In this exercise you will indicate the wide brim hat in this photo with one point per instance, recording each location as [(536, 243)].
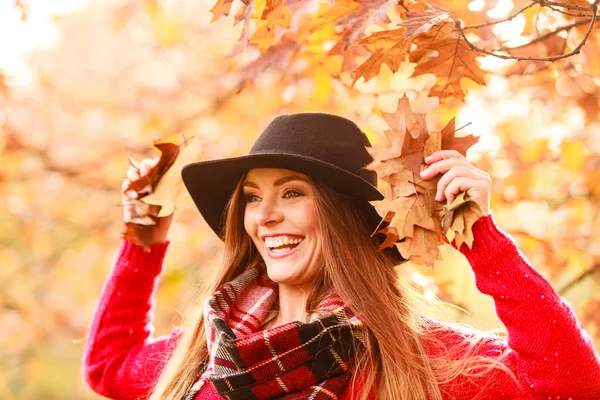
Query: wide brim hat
[(328, 148)]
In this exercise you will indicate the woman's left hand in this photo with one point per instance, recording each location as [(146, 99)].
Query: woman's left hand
[(458, 175)]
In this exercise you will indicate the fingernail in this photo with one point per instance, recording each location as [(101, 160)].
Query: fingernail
[(133, 194), (424, 172)]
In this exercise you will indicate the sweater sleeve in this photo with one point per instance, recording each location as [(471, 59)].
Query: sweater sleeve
[(121, 360), (549, 351)]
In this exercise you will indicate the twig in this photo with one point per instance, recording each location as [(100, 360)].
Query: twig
[(401, 4), (544, 3), (547, 35), (510, 17), (579, 15), (576, 50), (579, 278)]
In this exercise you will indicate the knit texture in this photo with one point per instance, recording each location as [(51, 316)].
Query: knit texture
[(550, 353)]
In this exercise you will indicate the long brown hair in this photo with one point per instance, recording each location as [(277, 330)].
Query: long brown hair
[(402, 357)]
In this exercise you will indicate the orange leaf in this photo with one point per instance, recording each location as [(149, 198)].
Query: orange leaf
[(455, 60), (221, 7), (390, 48), (451, 142)]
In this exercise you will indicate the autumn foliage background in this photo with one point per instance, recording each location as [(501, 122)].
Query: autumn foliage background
[(84, 82)]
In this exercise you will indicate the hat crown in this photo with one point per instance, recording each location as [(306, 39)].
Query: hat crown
[(321, 136)]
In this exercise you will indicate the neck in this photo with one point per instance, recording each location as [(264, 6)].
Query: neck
[(292, 304)]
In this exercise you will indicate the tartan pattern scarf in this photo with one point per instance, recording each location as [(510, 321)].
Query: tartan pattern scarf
[(297, 360)]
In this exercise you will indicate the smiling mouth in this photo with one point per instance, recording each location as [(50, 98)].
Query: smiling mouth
[(286, 248), (283, 250)]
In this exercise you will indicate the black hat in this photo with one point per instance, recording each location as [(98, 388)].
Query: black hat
[(328, 148)]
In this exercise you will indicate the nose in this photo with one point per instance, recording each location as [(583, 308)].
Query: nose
[(268, 213)]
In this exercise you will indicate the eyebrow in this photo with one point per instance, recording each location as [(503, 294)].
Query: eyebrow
[(278, 182)]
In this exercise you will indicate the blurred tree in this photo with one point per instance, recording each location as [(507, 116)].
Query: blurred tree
[(123, 72)]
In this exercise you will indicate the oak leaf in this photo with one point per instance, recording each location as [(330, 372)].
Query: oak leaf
[(220, 8), (452, 142), (412, 213), (460, 216), (159, 191), (391, 46), (454, 61), (419, 249)]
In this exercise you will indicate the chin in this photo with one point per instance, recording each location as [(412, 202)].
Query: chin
[(279, 277)]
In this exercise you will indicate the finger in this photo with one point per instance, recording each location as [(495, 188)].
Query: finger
[(454, 173), (443, 166), (147, 164), (443, 155), (130, 194), (133, 174), (460, 184)]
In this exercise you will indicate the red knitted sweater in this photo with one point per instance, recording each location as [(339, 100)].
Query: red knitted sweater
[(550, 353)]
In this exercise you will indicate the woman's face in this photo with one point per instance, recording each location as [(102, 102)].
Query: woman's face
[(281, 219)]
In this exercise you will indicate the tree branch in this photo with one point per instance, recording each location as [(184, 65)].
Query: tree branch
[(568, 13), (576, 50), (544, 3), (579, 278), (547, 35), (510, 17)]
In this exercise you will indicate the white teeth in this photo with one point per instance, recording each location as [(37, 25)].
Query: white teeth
[(281, 240), (281, 251)]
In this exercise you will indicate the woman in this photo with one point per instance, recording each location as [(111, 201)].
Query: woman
[(304, 307)]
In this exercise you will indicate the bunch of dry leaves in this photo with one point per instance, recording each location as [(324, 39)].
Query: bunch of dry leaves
[(160, 191), (412, 213)]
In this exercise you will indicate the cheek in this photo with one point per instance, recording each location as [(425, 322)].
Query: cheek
[(248, 225)]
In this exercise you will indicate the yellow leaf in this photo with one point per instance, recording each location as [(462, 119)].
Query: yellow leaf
[(168, 31), (572, 155)]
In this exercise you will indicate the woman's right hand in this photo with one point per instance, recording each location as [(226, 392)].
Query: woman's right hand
[(160, 230)]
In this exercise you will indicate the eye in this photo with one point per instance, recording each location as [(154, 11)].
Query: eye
[(251, 198), (292, 193)]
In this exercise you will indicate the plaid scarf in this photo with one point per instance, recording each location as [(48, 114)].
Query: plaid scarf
[(292, 361)]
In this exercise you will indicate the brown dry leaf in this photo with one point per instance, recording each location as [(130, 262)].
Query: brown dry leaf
[(455, 60), (159, 190), (412, 204), (391, 237), (460, 216), (418, 248), (391, 46), (411, 211), (412, 207), (451, 142), (406, 148)]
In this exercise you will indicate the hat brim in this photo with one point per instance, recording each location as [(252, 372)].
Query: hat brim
[(211, 183)]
